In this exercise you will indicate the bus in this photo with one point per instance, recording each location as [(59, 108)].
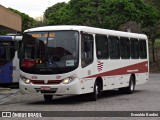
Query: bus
[(9, 62), (73, 60)]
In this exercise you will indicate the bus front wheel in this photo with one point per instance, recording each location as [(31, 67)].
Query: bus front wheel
[(48, 98), (96, 92)]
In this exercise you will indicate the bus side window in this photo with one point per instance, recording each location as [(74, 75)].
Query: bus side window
[(125, 48), (86, 49), (134, 48), (102, 47), (142, 49), (114, 47)]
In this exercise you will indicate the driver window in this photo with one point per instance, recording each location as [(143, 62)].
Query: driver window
[(86, 49)]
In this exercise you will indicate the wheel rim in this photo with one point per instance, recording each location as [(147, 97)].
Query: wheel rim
[(132, 86), (97, 90)]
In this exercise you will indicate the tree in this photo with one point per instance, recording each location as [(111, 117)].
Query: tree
[(153, 33), (157, 48), (154, 3), (3, 32), (101, 13), (153, 30), (50, 14), (39, 22)]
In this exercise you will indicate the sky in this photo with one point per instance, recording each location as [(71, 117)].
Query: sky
[(33, 8)]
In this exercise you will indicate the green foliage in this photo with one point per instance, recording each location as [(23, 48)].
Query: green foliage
[(157, 44), (53, 8), (154, 3), (153, 29), (50, 15), (101, 13), (27, 22), (3, 32)]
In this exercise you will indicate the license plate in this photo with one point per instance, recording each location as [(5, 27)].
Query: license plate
[(45, 88)]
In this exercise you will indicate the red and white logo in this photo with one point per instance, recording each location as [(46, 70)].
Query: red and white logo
[(45, 81), (58, 77), (99, 65)]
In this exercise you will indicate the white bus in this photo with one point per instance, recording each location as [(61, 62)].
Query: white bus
[(72, 60), (9, 62)]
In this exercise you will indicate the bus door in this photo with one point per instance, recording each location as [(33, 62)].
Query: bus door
[(87, 58)]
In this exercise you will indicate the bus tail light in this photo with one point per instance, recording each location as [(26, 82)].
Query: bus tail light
[(28, 63), (69, 79)]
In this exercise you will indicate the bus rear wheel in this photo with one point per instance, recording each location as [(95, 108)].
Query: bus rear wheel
[(130, 89), (48, 98)]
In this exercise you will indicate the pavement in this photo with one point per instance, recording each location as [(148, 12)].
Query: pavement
[(145, 98), (7, 94)]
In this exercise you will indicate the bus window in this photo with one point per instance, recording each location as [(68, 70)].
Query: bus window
[(86, 49), (142, 49), (7, 52), (125, 48), (134, 48), (102, 47), (53, 52), (114, 47)]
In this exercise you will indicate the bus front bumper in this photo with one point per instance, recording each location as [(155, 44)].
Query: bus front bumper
[(55, 89)]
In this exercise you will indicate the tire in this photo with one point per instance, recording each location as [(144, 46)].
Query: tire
[(130, 89), (48, 98), (96, 92)]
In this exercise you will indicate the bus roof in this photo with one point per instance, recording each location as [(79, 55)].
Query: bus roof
[(7, 37), (89, 30)]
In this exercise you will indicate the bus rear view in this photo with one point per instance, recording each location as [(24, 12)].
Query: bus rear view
[(9, 63)]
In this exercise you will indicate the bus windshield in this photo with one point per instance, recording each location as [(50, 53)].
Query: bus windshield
[(7, 52), (49, 52)]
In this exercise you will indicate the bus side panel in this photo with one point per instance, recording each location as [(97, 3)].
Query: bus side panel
[(6, 73), (142, 78)]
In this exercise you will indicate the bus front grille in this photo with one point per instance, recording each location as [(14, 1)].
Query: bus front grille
[(46, 82)]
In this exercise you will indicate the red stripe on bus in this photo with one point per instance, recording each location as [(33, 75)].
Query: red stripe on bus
[(136, 68)]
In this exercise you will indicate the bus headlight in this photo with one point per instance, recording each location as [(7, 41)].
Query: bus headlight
[(26, 80), (69, 79)]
